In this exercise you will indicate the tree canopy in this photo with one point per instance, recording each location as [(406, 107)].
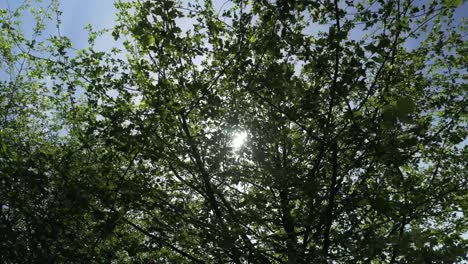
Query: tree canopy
[(354, 115)]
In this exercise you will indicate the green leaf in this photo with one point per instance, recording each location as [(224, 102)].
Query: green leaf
[(4, 148), (405, 106), (388, 117), (252, 38), (452, 3)]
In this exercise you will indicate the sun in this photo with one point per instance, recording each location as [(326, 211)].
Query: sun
[(238, 139)]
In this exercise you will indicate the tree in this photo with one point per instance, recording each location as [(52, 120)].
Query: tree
[(355, 116)]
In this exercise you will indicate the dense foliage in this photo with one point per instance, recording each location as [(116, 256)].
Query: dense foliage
[(354, 111)]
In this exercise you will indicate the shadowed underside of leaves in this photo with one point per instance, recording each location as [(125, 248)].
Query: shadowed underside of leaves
[(236, 132)]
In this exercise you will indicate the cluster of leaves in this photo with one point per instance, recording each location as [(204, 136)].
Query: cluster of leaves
[(356, 147)]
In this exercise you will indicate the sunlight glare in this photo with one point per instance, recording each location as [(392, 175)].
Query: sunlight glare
[(238, 139)]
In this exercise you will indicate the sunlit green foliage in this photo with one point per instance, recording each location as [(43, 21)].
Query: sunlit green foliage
[(355, 115)]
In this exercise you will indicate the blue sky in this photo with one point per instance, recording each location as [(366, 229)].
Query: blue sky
[(101, 14), (77, 13)]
